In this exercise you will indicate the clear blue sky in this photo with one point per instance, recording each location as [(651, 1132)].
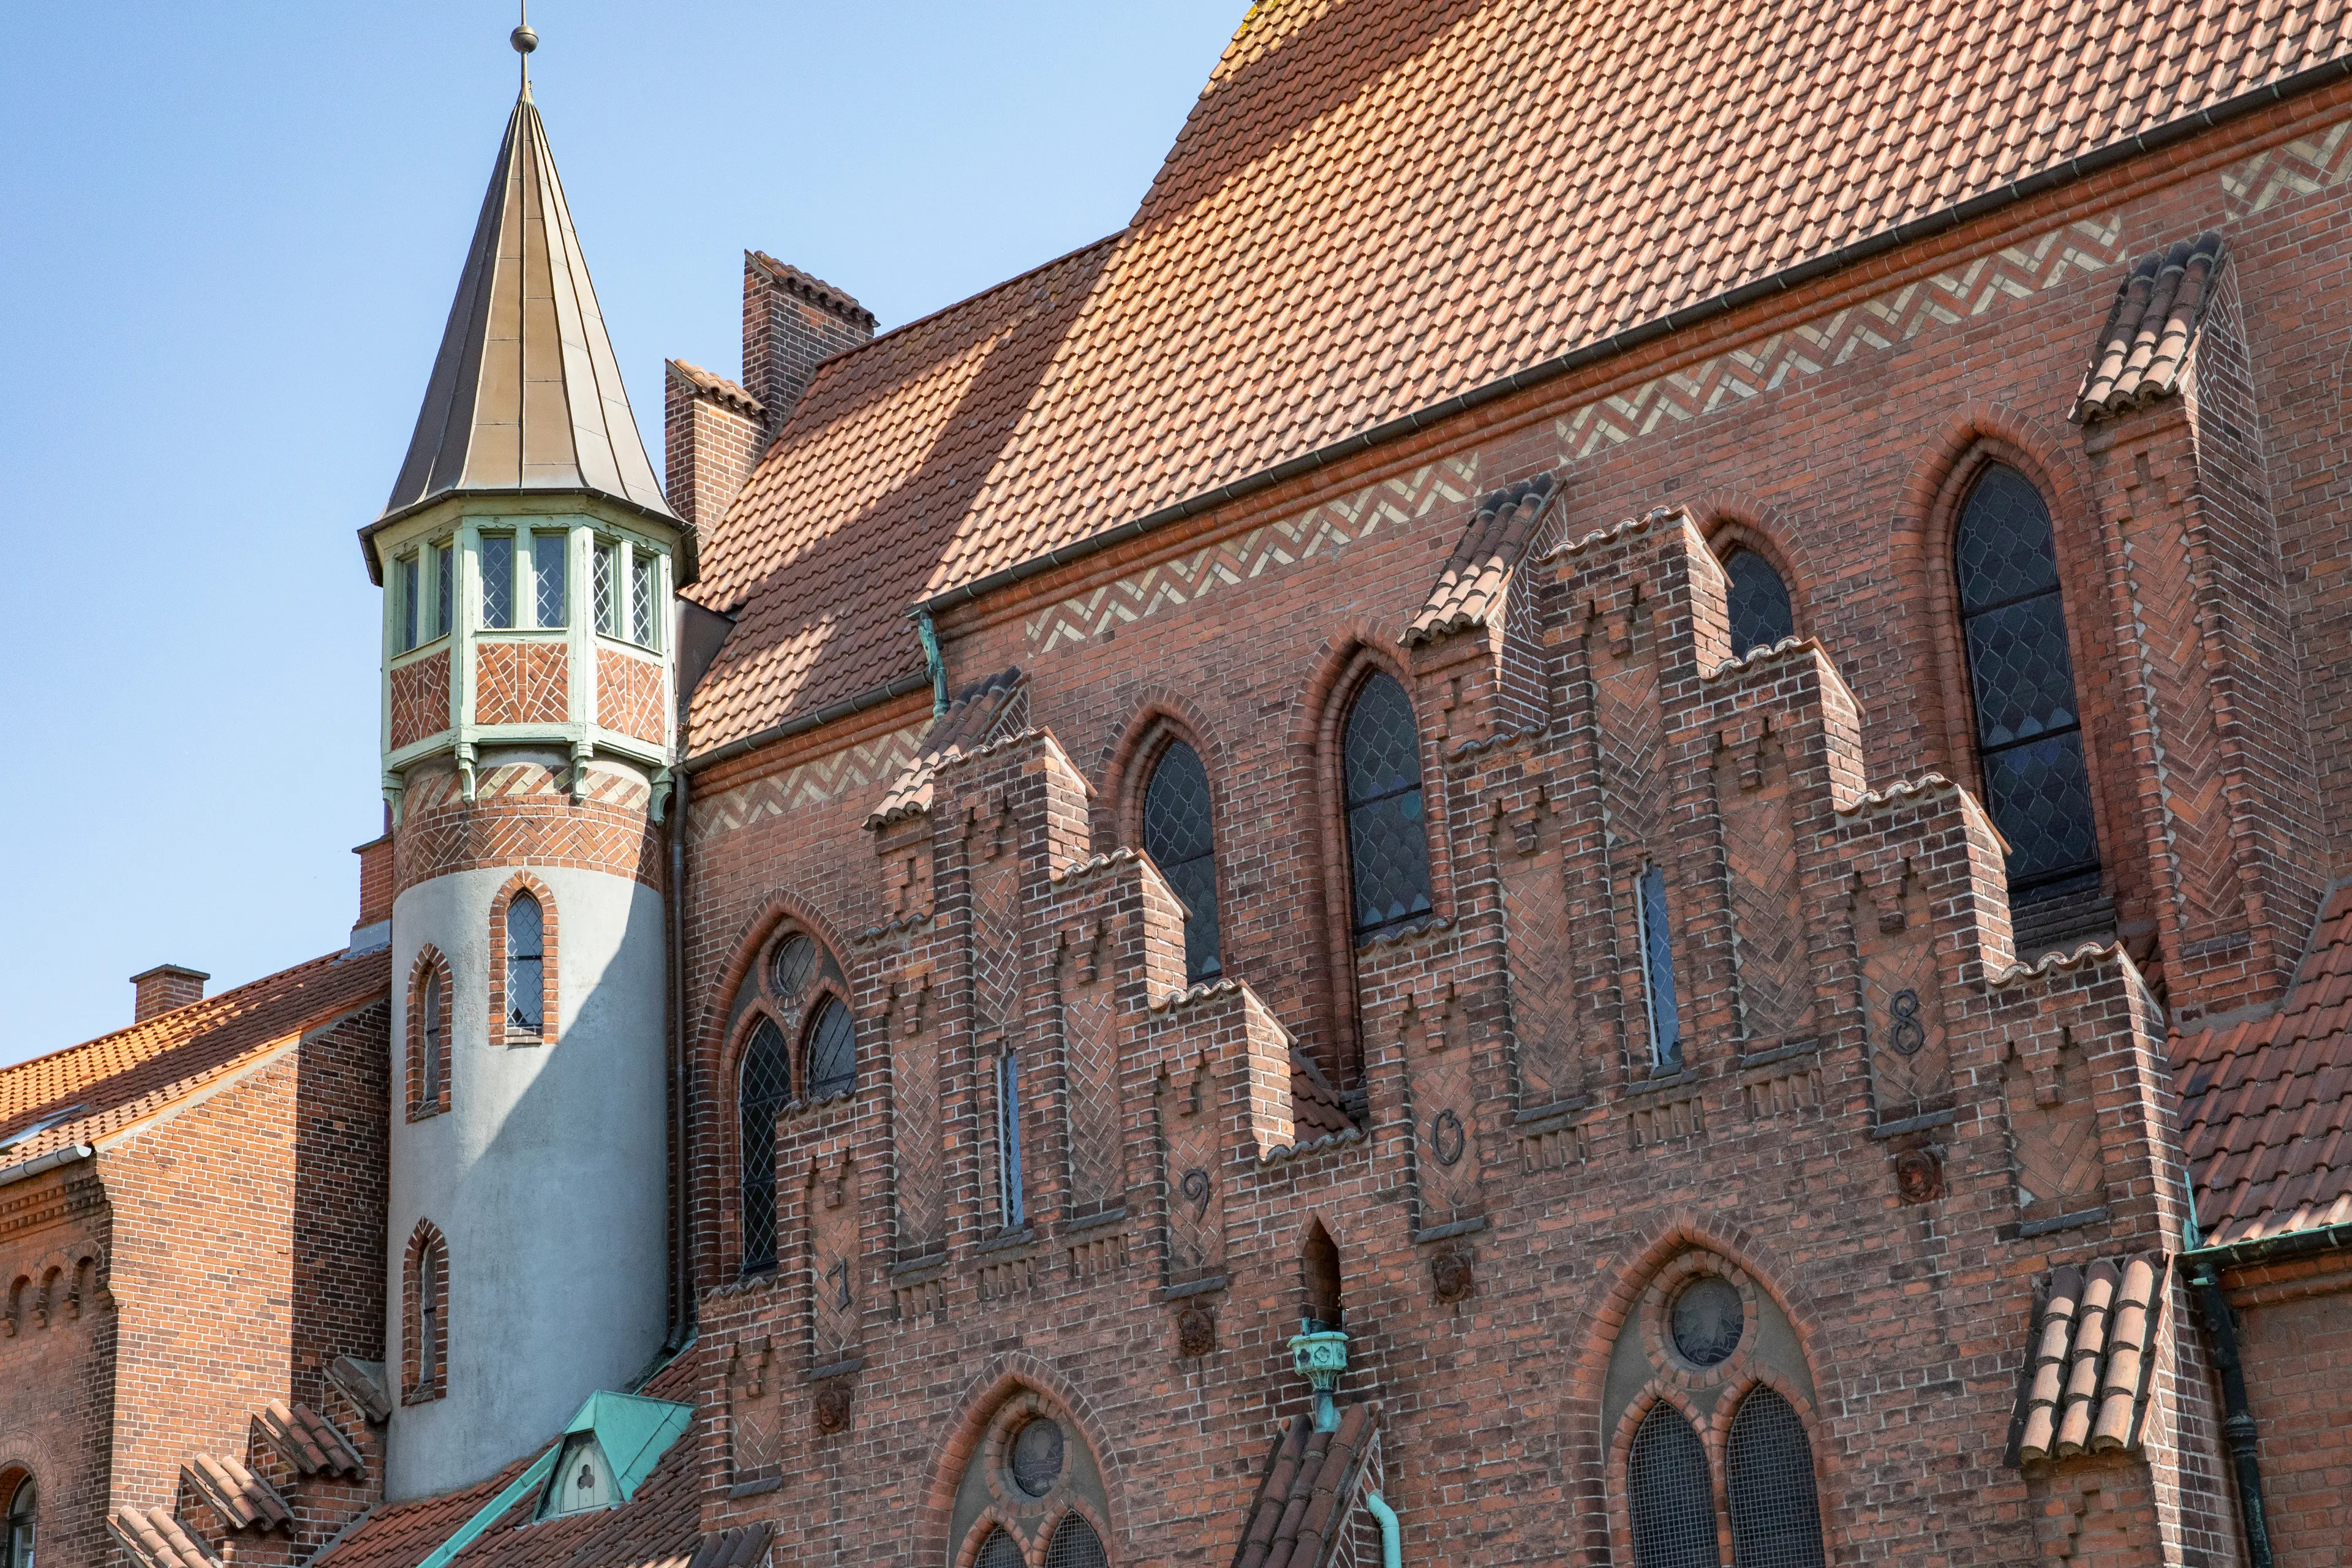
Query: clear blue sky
[(229, 237)]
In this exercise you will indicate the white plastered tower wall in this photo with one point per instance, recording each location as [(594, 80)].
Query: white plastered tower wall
[(546, 1175)]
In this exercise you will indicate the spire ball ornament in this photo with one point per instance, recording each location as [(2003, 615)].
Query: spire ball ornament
[(523, 39)]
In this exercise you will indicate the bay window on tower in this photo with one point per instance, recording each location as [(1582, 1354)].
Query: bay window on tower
[(423, 595), (628, 587)]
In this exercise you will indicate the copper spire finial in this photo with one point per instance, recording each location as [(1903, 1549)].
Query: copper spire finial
[(524, 40)]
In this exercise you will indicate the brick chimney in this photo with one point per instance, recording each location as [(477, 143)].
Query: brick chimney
[(165, 987), (712, 435), (373, 928), (791, 321)]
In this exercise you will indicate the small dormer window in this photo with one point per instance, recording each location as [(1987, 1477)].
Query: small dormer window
[(582, 1480)]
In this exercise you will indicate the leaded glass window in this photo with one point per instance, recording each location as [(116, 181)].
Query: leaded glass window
[(2029, 724), (1761, 612), (547, 578), (497, 581), (1008, 1140), (428, 1316), (23, 1518), (1075, 1546), (608, 589), (429, 1032), (404, 596), (1388, 840), (1669, 1496), (526, 970), (644, 585), (1658, 971), (444, 588), (1179, 838), (791, 969), (832, 1053), (764, 1085), (999, 1551), (1775, 1515)]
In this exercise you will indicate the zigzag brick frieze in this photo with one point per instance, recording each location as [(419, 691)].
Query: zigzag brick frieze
[(522, 814), (869, 766), (1324, 531), (2303, 167)]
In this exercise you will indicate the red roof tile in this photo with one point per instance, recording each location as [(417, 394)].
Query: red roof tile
[(2088, 1372), (1377, 205), (1470, 589), (2264, 1104), (123, 1078), (984, 712), (2144, 343), (1303, 1489)]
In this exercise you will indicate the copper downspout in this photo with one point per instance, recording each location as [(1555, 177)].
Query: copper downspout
[(680, 1081)]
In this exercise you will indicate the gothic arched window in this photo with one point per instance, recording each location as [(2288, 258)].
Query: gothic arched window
[(526, 975), (832, 1052), (23, 1516), (999, 1551), (430, 1042), (2029, 725), (1775, 1515), (1761, 614), (764, 1085), (1388, 839), (425, 1337), (1178, 835), (1669, 1496), (1075, 1546)]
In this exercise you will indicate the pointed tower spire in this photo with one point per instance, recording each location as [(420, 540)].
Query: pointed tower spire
[(525, 394)]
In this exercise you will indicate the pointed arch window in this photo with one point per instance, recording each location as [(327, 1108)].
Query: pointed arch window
[(1075, 1546), (1776, 1515), (435, 1070), (526, 967), (831, 1066), (1761, 612), (2029, 725), (1669, 1496), (23, 1519), (1181, 841), (1011, 1204), (1000, 1551), (1388, 838), (424, 1331), (764, 1085)]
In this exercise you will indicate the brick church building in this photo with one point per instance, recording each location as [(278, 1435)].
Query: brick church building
[(1599, 812)]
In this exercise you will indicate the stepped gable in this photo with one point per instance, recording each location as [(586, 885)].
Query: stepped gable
[(2265, 1103), (841, 525), (1305, 1489), (125, 1077), (2144, 347), (984, 711), (1470, 588), (2088, 1373)]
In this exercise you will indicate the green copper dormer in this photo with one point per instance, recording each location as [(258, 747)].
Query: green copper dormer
[(527, 553)]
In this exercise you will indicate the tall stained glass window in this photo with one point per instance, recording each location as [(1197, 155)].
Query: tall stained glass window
[(1776, 1514), (832, 1052), (1669, 1495), (2029, 724), (1388, 839), (1761, 614), (526, 966), (1178, 837), (1008, 1141), (1658, 971), (762, 1088)]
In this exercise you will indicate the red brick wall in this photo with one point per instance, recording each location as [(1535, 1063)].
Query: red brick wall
[(2295, 1331), (56, 1356)]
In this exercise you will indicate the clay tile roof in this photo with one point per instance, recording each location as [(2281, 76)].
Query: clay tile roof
[(1376, 205), (2265, 1103), (707, 383), (1470, 589), (2088, 1372), (241, 1497), (984, 711), (836, 533), (1306, 1483), (117, 1079), (152, 1537), (1315, 1107), (2144, 343)]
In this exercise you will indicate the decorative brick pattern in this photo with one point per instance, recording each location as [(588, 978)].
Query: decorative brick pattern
[(522, 683), (522, 814), (629, 695), (865, 769), (420, 700)]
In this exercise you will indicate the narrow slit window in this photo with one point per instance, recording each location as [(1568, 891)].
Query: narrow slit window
[(526, 958), (445, 589), (404, 606), (1669, 1494), (1008, 1140), (428, 1320), (608, 589), (1761, 614), (764, 1087), (1776, 1513), (832, 1053), (1658, 971), (547, 576), (1178, 835), (1388, 840), (642, 583), (497, 581), (429, 1034), (2037, 783)]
